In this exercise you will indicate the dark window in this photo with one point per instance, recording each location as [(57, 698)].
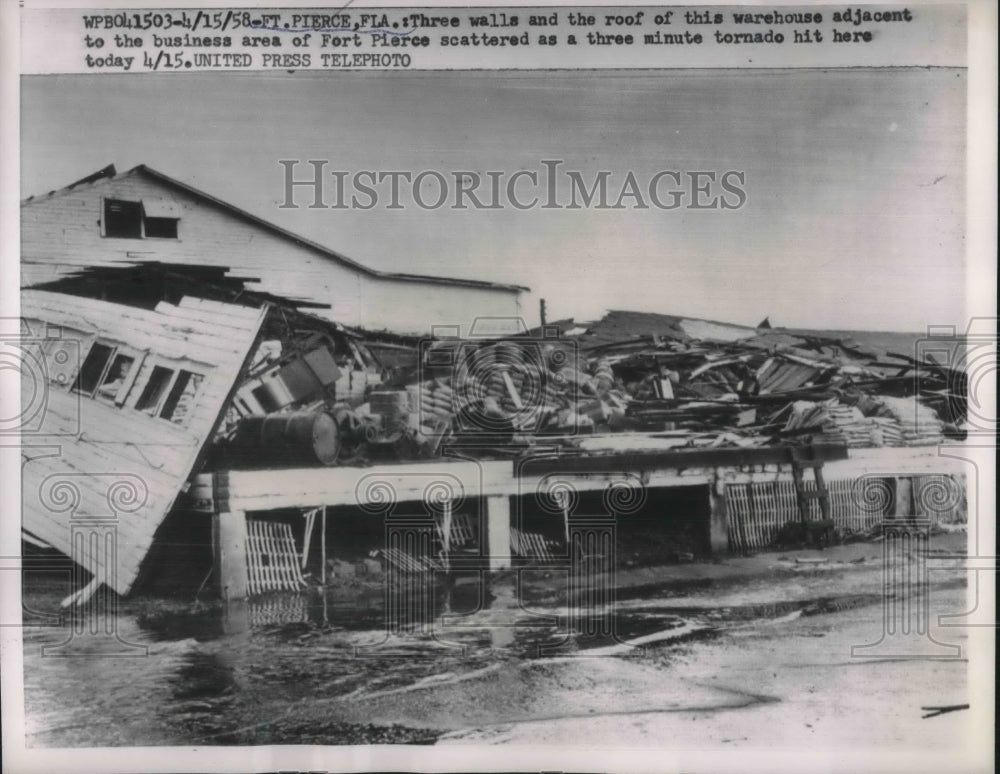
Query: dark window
[(180, 401), (122, 219), (157, 385), (114, 379), (162, 228), (93, 368)]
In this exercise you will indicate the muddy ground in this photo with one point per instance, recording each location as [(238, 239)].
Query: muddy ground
[(750, 651)]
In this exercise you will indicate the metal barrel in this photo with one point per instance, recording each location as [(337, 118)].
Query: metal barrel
[(301, 437)]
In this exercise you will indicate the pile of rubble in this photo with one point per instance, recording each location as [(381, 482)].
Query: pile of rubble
[(317, 393), (499, 397)]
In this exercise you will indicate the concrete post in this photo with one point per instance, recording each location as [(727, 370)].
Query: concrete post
[(498, 532), (718, 517), (231, 554)]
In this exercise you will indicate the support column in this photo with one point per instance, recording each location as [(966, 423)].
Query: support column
[(718, 517), (230, 533), (498, 532)]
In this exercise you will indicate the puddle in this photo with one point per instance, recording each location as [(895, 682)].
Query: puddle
[(257, 672)]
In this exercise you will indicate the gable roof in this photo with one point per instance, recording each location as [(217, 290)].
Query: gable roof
[(109, 172)]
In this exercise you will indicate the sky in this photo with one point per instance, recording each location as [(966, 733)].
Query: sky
[(855, 179)]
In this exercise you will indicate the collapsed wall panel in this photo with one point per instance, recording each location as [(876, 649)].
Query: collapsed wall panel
[(130, 398)]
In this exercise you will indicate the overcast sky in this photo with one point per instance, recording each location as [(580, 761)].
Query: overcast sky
[(855, 180)]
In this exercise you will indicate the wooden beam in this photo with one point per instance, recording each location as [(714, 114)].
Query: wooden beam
[(263, 490), (322, 543), (307, 536), (718, 517), (230, 530), (80, 597), (498, 532), (679, 459)]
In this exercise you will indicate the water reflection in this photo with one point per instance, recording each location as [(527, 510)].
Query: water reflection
[(273, 668)]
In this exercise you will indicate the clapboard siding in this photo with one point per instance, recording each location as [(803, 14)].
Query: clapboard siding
[(95, 443), (169, 335), (61, 233)]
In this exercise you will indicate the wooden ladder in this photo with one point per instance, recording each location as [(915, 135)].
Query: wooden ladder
[(802, 495)]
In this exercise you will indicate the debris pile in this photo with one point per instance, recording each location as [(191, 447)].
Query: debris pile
[(499, 397), (318, 393)]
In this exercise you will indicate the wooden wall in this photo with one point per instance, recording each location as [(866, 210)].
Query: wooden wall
[(62, 232), (89, 461)]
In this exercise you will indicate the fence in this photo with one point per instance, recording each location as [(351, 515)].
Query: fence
[(272, 558), (757, 512)]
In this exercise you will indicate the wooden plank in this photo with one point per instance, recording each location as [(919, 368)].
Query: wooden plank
[(270, 547), (263, 560), (280, 558), (290, 553), (498, 532), (231, 554), (735, 512), (267, 489), (718, 522), (307, 536), (188, 308), (252, 559), (207, 305), (273, 570), (322, 538)]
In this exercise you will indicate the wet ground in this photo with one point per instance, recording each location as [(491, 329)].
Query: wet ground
[(507, 662)]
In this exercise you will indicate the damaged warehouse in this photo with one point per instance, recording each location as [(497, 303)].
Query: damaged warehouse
[(303, 420), (489, 453)]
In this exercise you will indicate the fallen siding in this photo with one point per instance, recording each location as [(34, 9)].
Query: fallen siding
[(114, 467)]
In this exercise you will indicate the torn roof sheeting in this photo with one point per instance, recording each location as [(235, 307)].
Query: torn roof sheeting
[(130, 398)]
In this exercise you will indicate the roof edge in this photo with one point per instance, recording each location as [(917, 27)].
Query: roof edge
[(109, 172)]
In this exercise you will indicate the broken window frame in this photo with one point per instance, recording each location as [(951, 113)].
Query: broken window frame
[(153, 410), (176, 368), (112, 349), (191, 374), (120, 395)]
